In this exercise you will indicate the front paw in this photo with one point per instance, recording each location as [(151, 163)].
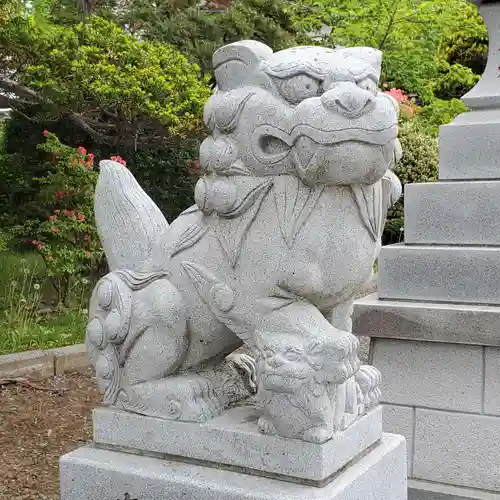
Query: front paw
[(348, 363), (368, 382), (317, 435)]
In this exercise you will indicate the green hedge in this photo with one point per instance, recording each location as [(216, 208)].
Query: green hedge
[(419, 163)]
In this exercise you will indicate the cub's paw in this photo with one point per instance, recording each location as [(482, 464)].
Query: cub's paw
[(266, 426), (317, 435)]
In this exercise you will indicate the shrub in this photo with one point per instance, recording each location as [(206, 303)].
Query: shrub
[(454, 81), (162, 173), (438, 113), (118, 89), (419, 163), (66, 236)]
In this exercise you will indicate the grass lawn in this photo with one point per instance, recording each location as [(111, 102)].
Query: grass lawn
[(29, 319)]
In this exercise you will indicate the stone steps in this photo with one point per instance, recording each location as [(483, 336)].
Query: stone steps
[(427, 321), (453, 213), (463, 274)]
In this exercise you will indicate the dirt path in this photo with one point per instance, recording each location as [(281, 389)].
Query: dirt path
[(37, 427)]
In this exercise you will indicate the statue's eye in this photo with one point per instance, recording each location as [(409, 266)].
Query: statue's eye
[(298, 88), (292, 355), (368, 84)]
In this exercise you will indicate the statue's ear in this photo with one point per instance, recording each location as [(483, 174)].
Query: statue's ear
[(369, 55), (235, 63)]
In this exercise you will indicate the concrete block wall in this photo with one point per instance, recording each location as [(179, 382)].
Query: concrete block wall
[(445, 399)]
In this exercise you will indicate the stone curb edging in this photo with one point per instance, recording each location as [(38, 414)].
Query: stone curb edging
[(40, 364)]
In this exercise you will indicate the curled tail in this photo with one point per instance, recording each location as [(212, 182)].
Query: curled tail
[(132, 229)]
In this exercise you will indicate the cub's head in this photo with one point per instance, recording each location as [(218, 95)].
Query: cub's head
[(308, 111), (286, 362)]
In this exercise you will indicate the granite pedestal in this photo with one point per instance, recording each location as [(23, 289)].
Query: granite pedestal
[(146, 458), (434, 325)]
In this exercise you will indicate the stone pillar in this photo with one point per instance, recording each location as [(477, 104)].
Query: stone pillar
[(435, 323)]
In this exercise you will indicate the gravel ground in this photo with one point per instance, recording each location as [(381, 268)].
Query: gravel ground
[(39, 423)]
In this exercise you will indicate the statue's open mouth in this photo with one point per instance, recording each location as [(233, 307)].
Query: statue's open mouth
[(271, 145)]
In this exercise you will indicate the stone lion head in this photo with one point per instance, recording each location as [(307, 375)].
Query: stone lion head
[(287, 362), (312, 112)]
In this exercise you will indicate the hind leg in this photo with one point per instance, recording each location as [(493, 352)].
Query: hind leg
[(137, 339)]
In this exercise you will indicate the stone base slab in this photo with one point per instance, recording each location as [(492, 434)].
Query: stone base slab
[(427, 321), (234, 440), (94, 474)]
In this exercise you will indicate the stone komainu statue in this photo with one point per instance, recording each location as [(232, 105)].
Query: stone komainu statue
[(285, 230)]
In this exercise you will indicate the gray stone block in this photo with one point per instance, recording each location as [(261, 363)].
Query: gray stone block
[(433, 375), (73, 358), (401, 420), (457, 448), (492, 381), (453, 323), (469, 147), (424, 490), (453, 213), (32, 364), (93, 474), (440, 274), (234, 439)]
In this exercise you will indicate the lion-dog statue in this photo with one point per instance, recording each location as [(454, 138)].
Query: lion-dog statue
[(284, 233)]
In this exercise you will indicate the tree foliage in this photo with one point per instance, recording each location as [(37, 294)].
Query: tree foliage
[(198, 31), (411, 33), (117, 89)]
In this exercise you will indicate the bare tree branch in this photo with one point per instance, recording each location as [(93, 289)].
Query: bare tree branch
[(11, 86)]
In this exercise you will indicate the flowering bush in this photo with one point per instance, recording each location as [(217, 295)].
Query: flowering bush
[(408, 107), (67, 238)]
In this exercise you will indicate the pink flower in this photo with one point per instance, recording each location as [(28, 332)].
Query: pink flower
[(397, 94), (91, 156), (81, 150), (40, 246), (119, 159), (34, 242), (45, 133), (86, 254), (80, 217), (54, 230)]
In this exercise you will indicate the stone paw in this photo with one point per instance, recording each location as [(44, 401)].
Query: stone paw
[(368, 381), (266, 426), (347, 347), (317, 435)]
